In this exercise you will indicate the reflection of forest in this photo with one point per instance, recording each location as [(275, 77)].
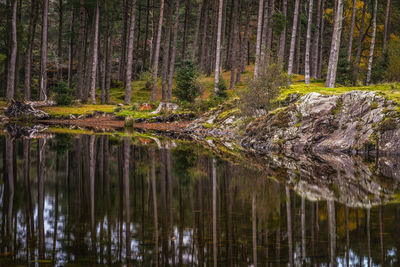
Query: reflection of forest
[(119, 201)]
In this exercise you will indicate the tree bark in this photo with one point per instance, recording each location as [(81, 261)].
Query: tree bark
[(321, 46), (298, 40), (157, 52), (43, 65), (387, 23), (173, 53), (371, 49), (353, 19), (359, 46), (244, 45), (13, 54), (308, 41), (28, 53), (259, 33), (234, 60), (185, 29), (196, 33), (128, 75), (335, 46), (59, 43), (95, 55), (264, 32), (315, 45), (166, 53), (282, 39), (109, 59), (122, 62), (82, 45), (218, 48), (70, 48), (293, 37)]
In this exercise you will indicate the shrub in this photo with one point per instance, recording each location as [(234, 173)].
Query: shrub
[(379, 69), (148, 77), (187, 86), (344, 74), (259, 96), (63, 94), (222, 88)]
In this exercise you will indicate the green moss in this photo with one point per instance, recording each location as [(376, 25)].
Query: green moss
[(388, 124), (374, 105)]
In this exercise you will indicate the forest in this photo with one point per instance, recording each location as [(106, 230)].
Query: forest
[(91, 50)]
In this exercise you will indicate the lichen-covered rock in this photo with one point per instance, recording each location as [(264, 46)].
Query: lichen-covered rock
[(354, 122)]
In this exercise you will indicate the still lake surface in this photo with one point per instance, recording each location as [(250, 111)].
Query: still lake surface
[(82, 200)]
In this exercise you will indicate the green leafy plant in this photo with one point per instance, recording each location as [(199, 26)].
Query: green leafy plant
[(63, 94), (148, 77), (187, 86), (222, 93)]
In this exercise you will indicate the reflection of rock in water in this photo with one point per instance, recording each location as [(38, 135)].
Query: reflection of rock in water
[(26, 131), (339, 177)]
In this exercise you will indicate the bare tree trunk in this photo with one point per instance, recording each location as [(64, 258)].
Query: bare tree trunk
[(360, 41), (315, 45), (243, 46), (371, 50), (82, 48), (173, 53), (214, 190), (95, 56), (28, 53), (59, 44), (128, 75), (234, 55), (124, 35), (157, 52), (387, 23), (259, 33), (218, 48), (293, 37), (264, 32), (185, 29), (321, 46), (282, 39), (109, 59), (308, 41), (196, 33), (70, 48), (271, 12), (298, 40), (43, 65), (13, 54), (353, 19), (254, 228), (166, 52), (334, 54)]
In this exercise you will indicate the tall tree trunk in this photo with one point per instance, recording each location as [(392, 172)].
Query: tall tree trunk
[(271, 12), (293, 37), (315, 45), (13, 54), (259, 33), (359, 45), (82, 48), (28, 53), (128, 75), (264, 32), (214, 188), (157, 52), (387, 23), (321, 46), (185, 29), (127, 191), (109, 59), (282, 39), (298, 40), (122, 63), (144, 52), (218, 48), (95, 55), (353, 19), (70, 47), (166, 52), (173, 53), (234, 60), (254, 227), (244, 45), (371, 49), (43, 65), (196, 33), (308, 41), (59, 43), (335, 46), (203, 43)]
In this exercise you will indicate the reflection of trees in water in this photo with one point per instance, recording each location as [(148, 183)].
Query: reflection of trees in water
[(173, 205)]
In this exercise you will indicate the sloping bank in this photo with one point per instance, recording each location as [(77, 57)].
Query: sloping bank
[(357, 122)]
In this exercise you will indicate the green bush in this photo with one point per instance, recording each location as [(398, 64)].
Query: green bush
[(380, 69), (344, 74), (187, 86), (148, 77), (258, 98), (63, 94), (222, 88)]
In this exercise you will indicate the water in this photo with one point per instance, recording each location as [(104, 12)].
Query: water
[(105, 200)]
